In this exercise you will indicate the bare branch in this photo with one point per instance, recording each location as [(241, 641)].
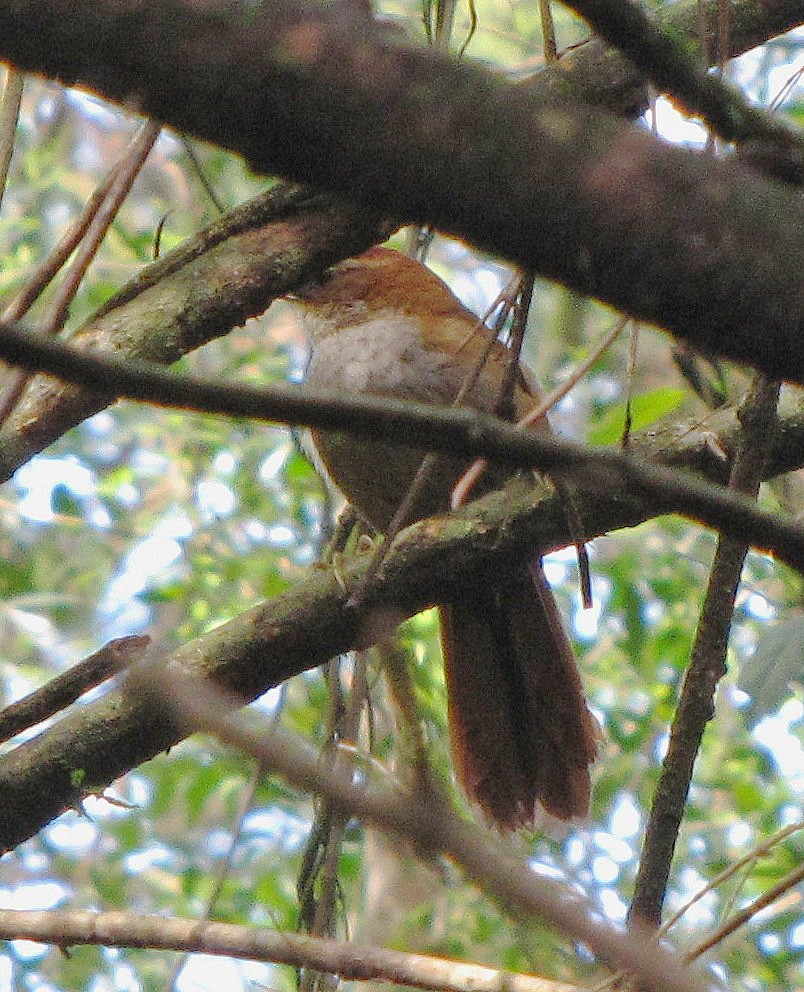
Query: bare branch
[(355, 962), (790, 881), (9, 115), (63, 689), (666, 61), (84, 237), (425, 818)]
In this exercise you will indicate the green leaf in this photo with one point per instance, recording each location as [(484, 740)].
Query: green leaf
[(646, 409)]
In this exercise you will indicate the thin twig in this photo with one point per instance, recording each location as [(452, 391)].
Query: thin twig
[(630, 374), (564, 488), (156, 247), (198, 169), (784, 92), (396, 666), (472, 28), (125, 174), (539, 410), (746, 861), (723, 876), (790, 880), (322, 887), (224, 865), (470, 478), (506, 411), (723, 35), (458, 431), (65, 246), (548, 32), (93, 225), (708, 386), (506, 404)]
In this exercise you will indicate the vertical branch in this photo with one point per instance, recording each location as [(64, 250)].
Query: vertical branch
[(723, 35), (505, 407), (396, 666), (548, 31), (707, 666), (319, 884), (445, 16), (9, 115)]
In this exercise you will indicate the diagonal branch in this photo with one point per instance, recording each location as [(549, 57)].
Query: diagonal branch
[(229, 272), (707, 666), (308, 624), (459, 431), (423, 816), (63, 689), (666, 61)]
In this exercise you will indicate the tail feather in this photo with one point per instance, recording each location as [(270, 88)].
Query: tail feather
[(520, 728)]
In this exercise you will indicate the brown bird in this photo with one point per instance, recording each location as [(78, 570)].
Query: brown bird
[(384, 325)]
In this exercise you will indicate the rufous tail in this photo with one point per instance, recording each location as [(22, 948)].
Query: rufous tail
[(520, 729)]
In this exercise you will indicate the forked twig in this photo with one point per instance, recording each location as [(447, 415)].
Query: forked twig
[(790, 880), (86, 234)]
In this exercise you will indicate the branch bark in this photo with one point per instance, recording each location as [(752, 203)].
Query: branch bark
[(707, 249), (423, 815), (354, 962), (707, 666)]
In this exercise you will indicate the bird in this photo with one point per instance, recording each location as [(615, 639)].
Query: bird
[(522, 736)]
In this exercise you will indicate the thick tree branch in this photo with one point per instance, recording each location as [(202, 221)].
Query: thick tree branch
[(604, 77), (705, 248), (308, 624), (667, 61)]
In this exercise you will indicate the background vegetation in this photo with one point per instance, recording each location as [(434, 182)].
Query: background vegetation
[(149, 520)]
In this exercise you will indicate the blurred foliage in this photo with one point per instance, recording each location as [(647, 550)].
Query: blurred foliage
[(151, 520)]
